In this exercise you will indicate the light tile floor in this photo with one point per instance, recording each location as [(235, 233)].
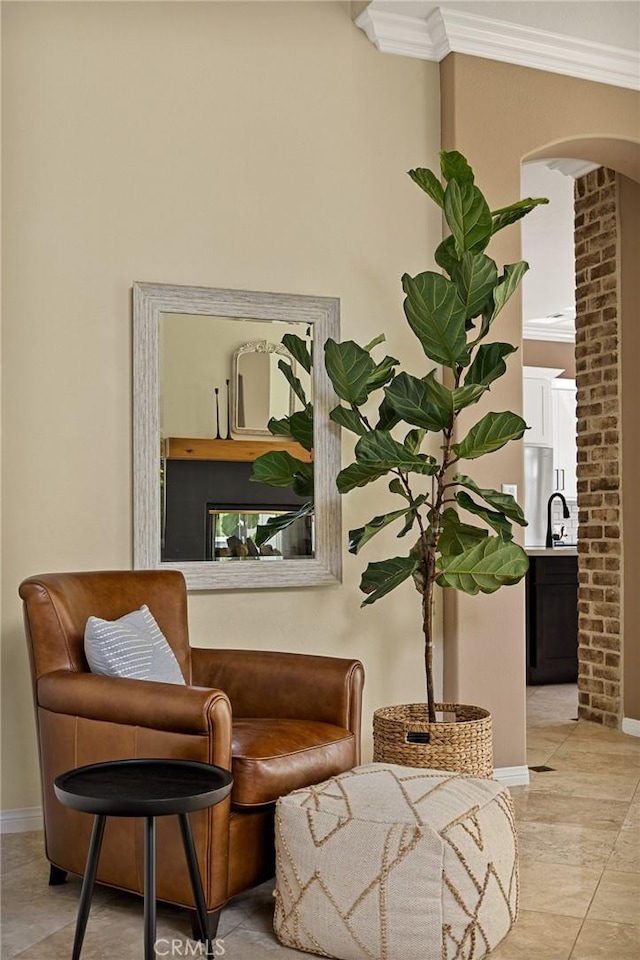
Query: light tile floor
[(579, 830)]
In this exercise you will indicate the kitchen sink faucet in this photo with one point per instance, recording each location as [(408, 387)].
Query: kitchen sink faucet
[(565, 513)]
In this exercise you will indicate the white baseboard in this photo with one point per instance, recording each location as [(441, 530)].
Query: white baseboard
[(631, 726), (30, 818), (21, 821), (512, 776)]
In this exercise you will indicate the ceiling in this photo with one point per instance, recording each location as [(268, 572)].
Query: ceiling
[(548, 289)]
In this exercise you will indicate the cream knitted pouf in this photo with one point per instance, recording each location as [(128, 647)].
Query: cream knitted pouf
[(396, 863)]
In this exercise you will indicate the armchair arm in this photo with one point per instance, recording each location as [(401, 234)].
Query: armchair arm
[(267, 684), (143, 703)]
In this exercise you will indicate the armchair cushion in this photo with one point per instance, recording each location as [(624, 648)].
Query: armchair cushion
[(132, 646), (272, 757)]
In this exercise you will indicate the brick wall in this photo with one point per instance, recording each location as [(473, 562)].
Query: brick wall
[(599, 448)]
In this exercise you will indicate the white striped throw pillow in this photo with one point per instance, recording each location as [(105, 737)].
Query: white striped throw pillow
[(133, 646)]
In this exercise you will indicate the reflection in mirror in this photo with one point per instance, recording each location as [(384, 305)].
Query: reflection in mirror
[(216, 385), (206, 384)]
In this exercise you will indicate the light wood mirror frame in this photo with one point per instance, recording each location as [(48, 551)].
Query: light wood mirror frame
[(150, 301)]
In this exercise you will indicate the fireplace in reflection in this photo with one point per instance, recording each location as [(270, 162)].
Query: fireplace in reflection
[(232, 534), (211, 510)]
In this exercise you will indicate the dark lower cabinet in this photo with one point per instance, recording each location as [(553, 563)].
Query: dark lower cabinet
[(552, 619)]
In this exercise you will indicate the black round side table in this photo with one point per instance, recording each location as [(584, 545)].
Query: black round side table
[(150, 789)]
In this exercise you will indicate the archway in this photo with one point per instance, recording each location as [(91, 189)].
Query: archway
[(607, 201), (498, 114)]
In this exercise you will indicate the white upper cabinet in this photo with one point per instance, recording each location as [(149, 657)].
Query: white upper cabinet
[(537, 405), (564, 429)]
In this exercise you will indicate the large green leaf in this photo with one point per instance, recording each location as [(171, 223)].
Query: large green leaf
[(276, 468), (348, 418), (395, 486), (376, 454), (358, 538), (279, 427), (359, 475), (490, 564), (349, 367), (388, 418), (445, 256), (488, 364), (465, 396), (293, 381), (301, 426), (298, 350), (490, 434), (379, 449), (468, 216), (302, 484), (496, 520), (515, 211), (427, 181), (513, 274), (424, 403), (413, 440), (503, 502), (487, 316), (280, 522), (436, 315), (456, 536), (383, 373), (455, 167), (475, 277), (411, 519), (383, 577)]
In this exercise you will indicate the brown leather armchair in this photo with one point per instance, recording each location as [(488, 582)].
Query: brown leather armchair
[(279, 721)]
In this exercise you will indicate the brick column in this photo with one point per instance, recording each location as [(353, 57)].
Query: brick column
[(599, 448)]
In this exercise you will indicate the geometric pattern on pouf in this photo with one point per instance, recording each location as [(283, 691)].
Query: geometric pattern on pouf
[(393, 863)]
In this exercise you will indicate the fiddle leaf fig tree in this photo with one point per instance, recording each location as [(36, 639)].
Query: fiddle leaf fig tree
[(278, 468), (453, 318)]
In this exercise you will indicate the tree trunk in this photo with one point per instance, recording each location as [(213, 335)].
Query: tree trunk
[(427, 626)]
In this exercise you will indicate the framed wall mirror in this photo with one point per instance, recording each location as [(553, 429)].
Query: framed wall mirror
[(206, 381)]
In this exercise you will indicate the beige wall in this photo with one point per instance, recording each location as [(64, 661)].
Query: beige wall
[(257, 146), (629, 199), (550, 353), (499, 114)]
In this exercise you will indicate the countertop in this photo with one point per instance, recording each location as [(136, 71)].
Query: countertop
[(552, 551)]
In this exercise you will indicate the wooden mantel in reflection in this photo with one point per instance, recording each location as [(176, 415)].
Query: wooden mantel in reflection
[(197, 448)]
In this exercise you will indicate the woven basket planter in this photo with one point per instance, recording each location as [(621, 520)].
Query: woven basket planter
[(464, 745)]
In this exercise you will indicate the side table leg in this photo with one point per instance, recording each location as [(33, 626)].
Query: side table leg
[(87, 884), (150, 889), (196, 881)]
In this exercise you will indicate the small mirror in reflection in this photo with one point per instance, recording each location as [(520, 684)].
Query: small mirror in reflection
[(260, 391)]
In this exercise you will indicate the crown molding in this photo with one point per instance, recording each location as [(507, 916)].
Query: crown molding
[(572, 168), (395, 33), (450, 31), (532, 332)]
